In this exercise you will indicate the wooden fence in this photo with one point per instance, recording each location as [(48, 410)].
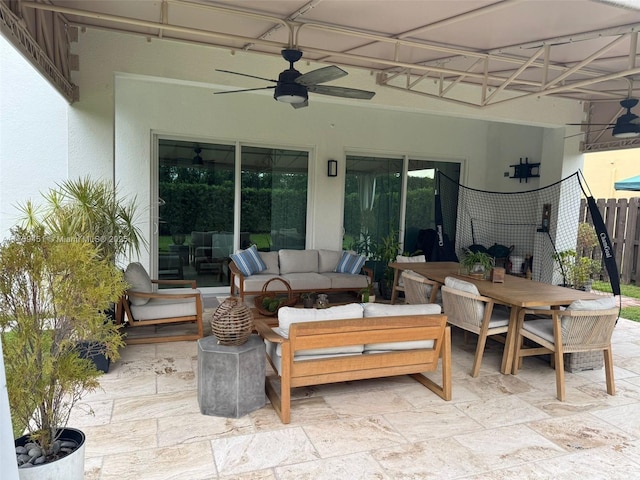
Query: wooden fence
[(622, 218)]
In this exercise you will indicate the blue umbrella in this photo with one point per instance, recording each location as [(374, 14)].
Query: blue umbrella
[(632, 183)]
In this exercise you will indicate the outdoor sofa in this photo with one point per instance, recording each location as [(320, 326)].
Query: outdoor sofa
[(304, 270), (354, 342)]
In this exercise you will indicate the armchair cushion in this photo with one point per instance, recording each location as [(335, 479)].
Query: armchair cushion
[(350, 263), (604, 303), (167, 307), (249, 261), (139, 281)]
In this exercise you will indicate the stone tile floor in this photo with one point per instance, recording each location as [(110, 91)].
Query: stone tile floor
[(145, 423)]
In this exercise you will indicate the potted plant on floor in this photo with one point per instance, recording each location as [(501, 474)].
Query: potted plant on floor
[(53, 294), (386, 252), (94, 211)]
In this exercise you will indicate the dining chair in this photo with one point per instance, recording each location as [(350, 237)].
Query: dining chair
[(405, 259), (419, 289), (465, 308), (584, 326)]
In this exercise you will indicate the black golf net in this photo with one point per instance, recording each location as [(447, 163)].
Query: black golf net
[(536, 233)]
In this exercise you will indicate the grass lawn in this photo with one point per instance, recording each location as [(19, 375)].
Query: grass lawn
[(633, 291)]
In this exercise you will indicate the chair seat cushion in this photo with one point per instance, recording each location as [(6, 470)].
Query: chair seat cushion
[(169, 307), (543, 328)]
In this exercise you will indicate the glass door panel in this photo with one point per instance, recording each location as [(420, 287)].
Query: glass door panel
[(274, 198), (196, 212)]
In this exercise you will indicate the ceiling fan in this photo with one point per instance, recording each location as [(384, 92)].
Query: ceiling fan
[(293, 87), (627, 125)]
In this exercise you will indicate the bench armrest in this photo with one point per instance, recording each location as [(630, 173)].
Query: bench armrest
[(267, 333)]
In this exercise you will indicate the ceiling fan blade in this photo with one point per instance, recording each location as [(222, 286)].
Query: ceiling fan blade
[(341, 91), (300, 105), (245, 90), (246, 75), (321, 75), (590, 124)]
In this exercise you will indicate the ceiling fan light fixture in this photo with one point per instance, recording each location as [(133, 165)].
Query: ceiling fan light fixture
[(287, 91), (625, 129)]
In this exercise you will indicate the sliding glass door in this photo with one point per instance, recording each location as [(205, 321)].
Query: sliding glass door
[(198, 211), (387, 197)]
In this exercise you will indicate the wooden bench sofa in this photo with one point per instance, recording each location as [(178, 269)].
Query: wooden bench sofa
[(427, 339), (304, 270)]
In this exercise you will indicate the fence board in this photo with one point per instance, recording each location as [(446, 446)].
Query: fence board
[(622, 220)]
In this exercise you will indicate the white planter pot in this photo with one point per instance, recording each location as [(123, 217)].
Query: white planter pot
[(70, 467)]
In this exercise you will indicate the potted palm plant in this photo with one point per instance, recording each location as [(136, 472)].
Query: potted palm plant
[(94, 211), (53, 293)]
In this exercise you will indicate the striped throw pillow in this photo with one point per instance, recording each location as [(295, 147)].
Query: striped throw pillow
[(249, 261), (350, 263)]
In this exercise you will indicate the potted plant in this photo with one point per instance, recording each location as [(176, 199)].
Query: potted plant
[(476, 264), (386, 252), (89, 210), (93, 211), (577, 272), (52, 294), (308, 298)]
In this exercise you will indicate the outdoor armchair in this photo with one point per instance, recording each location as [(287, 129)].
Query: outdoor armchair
[(419, 289), (144, 305)]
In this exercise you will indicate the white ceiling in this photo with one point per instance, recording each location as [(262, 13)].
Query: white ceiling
[(580, 49)]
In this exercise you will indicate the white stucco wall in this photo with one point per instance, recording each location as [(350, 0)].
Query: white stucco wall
[(33, 134), (131, 88)]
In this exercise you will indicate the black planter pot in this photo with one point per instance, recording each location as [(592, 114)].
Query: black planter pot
[(86, 350), (68, 467)]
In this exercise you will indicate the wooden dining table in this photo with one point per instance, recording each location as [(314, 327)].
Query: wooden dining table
[(516, 292)]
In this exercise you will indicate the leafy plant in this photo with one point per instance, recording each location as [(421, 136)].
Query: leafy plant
[(387, 251), (471, 260), (91, 211), (575, 271), (52, 296)]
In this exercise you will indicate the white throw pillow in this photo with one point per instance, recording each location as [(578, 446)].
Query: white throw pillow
[(139, 281)]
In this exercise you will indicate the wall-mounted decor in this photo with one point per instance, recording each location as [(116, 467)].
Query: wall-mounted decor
[(525, 171)]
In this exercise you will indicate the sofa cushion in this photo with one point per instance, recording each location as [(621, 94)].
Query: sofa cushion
[(270, 260), (328, 260), (298, 261), (350, 263), (255, 282), (307, 281), (289, 315), (139, 281), (347, 280), (385, 310), (275, 355), (249, 261)]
